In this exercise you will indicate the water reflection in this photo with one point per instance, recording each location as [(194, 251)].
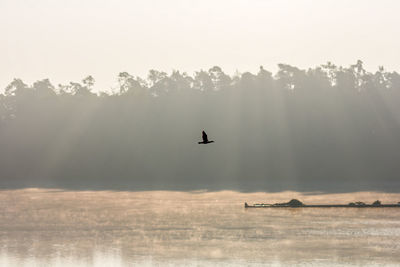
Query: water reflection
[(58, 228)]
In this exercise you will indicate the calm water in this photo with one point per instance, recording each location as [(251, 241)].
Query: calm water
[(63, 228)]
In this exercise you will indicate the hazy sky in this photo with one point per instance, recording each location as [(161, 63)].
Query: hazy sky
[(67, 40)]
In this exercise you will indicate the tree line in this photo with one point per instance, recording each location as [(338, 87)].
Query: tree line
[(328, 128)]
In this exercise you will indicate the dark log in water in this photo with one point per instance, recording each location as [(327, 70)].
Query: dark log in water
[(294, 203), (321, 206)]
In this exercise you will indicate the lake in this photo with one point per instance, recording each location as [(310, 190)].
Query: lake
[(43, 227)]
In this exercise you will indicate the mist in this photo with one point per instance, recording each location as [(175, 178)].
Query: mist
[(328, 128)]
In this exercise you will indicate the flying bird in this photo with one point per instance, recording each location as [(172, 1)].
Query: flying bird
[(205, 139)]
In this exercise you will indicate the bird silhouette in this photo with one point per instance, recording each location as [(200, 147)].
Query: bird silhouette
[(205, 139)]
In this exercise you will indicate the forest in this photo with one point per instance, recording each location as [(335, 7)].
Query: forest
[(328, 128)]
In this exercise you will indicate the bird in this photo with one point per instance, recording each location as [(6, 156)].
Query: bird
[(205, 139)]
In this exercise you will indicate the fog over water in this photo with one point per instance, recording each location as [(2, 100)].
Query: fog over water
[(103, 104), (83, 228)]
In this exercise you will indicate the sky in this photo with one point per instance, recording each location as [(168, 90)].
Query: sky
[(66, 40)]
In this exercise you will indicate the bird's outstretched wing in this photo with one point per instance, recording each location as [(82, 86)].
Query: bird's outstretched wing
[(205, 138)]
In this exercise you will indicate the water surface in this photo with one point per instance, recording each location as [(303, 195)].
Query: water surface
[(41, 227)]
